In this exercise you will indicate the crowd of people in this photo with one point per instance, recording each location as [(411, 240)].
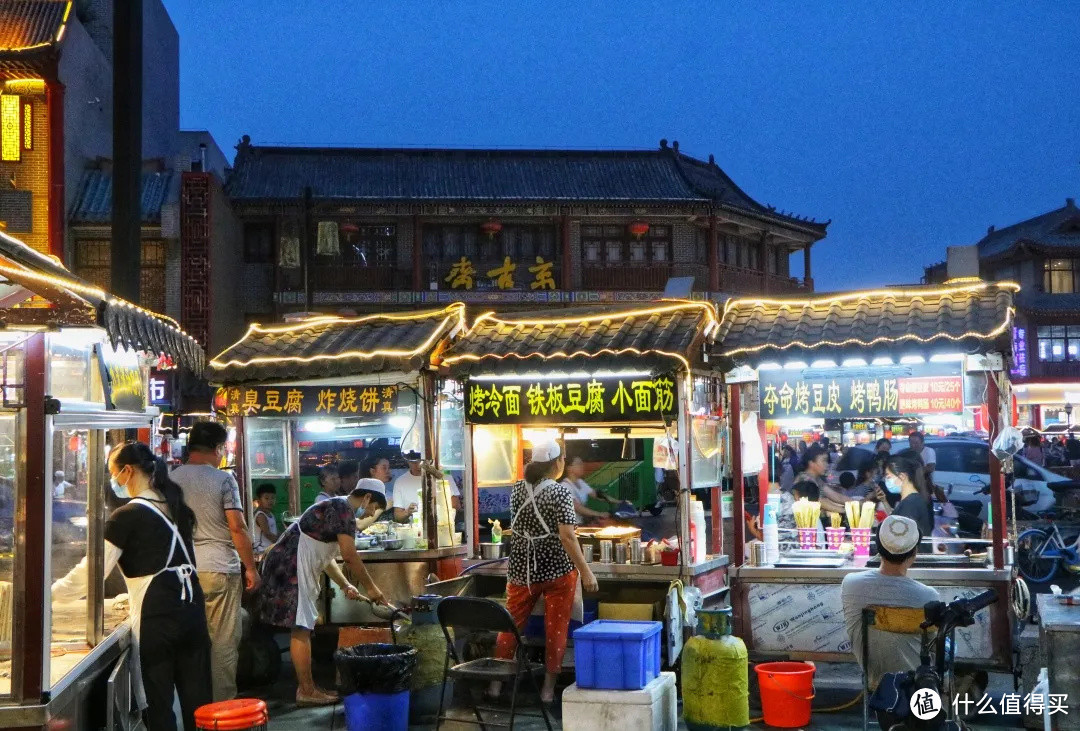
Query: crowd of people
[(1053, 451)]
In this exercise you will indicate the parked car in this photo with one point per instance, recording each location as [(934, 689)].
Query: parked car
[(963, 472)]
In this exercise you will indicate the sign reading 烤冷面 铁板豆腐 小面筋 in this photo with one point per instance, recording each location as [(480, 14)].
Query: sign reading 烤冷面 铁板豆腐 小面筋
[(560, 400), (862, 392), (285, 401)]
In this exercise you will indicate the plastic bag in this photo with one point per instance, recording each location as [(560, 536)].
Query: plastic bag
[(375, 668), (1009, 442)]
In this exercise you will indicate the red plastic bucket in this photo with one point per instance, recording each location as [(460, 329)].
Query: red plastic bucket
[(242, 714), (787, 688)]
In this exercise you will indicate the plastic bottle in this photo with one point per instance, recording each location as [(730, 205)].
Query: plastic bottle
[(496, 531), (715, 685), (698, 533), (770, 530)]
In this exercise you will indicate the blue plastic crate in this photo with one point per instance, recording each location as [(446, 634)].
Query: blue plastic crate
[(615, 655)]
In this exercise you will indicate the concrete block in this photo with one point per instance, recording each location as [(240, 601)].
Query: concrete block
[(653, 708)]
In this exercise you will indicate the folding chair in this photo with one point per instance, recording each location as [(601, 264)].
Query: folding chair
[(898, 620), (484, 615)]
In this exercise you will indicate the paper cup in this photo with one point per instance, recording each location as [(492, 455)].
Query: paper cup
[(860, 537), (808, 538), (834, 537)]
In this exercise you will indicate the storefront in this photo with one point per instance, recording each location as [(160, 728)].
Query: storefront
[(74, 364), (325, 390), (631, 392), (922, 356)]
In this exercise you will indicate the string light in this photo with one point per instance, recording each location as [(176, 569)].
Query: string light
[(676, 306), (560, 354), (457, 308), (453, 311)]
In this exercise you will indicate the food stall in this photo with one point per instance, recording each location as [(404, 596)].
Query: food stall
[(74, 364), (916, 353), (325, 389), (631, 391)]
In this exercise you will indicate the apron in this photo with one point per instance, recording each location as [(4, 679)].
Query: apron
[(137, 586), (312, 558), (577, 611)]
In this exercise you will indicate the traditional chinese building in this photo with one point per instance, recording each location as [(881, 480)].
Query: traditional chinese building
[(1042, 254), (330, 228)]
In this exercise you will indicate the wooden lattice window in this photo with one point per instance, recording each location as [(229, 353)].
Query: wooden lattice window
[(93, 262)]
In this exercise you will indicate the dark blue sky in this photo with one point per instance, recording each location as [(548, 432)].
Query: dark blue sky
[(912, 126)]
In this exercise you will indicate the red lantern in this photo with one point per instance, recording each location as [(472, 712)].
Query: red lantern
[(491, 227), (638, 229), (349, 228)]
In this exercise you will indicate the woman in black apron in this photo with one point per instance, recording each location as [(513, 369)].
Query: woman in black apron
[(150, 538)]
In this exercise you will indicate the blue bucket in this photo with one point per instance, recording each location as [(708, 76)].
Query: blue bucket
[(377, 711)]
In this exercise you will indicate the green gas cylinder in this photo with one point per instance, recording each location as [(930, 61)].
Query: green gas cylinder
[(714, 675)]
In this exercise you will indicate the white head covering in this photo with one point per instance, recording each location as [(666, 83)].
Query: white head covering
[(898, 535), (545, 450), (370, 483)]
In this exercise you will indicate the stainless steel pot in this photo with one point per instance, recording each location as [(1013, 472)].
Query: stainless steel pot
[(492, 551), (758, 554)]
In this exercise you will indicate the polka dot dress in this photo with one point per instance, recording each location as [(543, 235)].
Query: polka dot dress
[(545, 559)]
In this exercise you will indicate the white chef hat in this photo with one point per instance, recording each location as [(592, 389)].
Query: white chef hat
[(370, 483), (898, 535), (545, 450)]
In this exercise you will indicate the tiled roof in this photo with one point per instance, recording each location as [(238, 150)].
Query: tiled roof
[(125, 323), (657, 337), (326, 347), (1048, 304), (376, 174), (865, 324), (1058, 229), (29, 24), (94, 204)]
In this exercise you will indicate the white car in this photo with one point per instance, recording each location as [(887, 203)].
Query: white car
[(963, 472)]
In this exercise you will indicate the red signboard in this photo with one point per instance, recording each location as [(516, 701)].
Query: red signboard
[(931, 395)]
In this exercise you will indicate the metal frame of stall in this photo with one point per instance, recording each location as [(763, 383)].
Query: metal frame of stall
[(969, 317), (596, 342), (323, 366), (72, 358)]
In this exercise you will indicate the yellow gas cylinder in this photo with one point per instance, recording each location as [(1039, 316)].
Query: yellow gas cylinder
[(715, 671)]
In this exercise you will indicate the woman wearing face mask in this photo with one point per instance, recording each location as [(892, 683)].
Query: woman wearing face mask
[(904, 479), (151, 539)]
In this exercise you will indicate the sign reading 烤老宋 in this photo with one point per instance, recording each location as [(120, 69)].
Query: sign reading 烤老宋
[(862, 392), (542, 400)]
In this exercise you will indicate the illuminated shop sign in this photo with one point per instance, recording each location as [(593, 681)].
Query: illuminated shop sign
[(282, 401), (589, 399)]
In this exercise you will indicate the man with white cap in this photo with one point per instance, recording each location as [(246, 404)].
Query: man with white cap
[(889, 586)]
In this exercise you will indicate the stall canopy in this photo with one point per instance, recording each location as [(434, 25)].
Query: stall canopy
[(331, 346), (969, 316), (659, 338), (36, 291)]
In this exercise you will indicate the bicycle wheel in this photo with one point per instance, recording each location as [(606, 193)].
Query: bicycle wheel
[(1033, 566)]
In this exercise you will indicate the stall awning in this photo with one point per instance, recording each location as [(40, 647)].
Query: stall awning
[(660, 337), (331, 346), (969, 316), (65, 300)]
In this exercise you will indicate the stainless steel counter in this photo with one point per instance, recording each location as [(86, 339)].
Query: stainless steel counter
[(620, 572), (980, 575), (429, 554), (1057, 617)]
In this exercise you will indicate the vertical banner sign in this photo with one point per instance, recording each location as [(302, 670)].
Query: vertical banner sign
[(1019, 342), (864, 392), (553, 401), (161, 388)]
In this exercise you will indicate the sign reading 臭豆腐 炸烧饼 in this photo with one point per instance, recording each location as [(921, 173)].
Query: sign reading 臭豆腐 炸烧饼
[(285, 401), (553, 400), (861, 392)]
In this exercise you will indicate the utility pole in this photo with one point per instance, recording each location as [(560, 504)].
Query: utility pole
[(127, 147)]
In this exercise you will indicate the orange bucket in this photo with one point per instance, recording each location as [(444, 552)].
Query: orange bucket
[(787, 688), (242, 714)]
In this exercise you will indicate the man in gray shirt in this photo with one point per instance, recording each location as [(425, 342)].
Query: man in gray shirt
[(223, 555), (897, 543)]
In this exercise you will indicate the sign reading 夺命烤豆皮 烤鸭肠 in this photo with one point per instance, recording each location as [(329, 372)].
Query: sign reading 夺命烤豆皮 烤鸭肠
[(862, 392), (285, 401), (559, 400)]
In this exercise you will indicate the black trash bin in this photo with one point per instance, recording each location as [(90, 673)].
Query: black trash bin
[(374, 681)]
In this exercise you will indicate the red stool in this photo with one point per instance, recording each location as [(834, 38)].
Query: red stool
[(242, 714)]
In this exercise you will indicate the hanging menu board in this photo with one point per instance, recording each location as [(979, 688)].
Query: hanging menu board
[(862, 392), (561, 400)]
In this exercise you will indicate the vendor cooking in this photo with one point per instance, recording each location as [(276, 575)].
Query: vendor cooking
[(582, 491), (545, 560)]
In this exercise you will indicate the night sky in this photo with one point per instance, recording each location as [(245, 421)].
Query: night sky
[(913, 126)]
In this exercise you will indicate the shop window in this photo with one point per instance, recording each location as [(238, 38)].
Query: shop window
[(452, 428), (267, 447), (11, 140), (93, 261), (707, 451), (617, 245), (369, 246), (496, 455), (1061, 276), (521, 242), (16, 211), (259, 242), (1058, 343), (8, 492)]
